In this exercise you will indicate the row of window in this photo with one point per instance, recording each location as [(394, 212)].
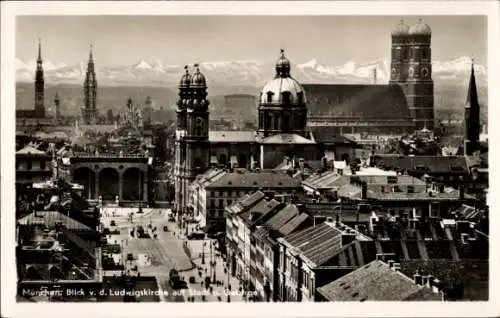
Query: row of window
[(284, 122), (227, 194), (29, 165), (286, 97)]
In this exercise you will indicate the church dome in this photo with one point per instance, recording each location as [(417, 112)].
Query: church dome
[(420, 29), (283, 89), (400, 29), (186, 78), (198, 78)]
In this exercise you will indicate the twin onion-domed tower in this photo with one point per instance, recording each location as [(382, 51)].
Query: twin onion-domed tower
[(411, 68), (192, 145), (282, 107)]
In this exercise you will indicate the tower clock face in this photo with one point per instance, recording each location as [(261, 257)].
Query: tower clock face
[(424, 72), (411, 72)]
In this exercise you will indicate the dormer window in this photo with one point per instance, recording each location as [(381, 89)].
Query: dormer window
[(270, 96), (286, 96)]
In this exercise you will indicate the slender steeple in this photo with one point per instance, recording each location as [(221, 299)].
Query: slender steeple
[(39, 59), (90, 91), (39, 84), (472, 115), (57, 102)]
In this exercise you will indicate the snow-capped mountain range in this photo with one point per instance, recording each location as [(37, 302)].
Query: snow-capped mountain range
[(246, 72)]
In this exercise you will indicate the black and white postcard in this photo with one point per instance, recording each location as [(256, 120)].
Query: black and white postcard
[(248, 158)]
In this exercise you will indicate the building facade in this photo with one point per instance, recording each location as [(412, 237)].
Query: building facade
[(32, 166)]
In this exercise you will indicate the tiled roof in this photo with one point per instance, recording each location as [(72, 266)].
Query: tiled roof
[(286, 139), (353, 191), (264, 179), (317, 244), (251, 199), (283, 216), (295, 223), (261, 209), (231, 136), (367, 101), (430, 164), (326, 180), (376, 282), (30, 150), (436, 196), (51, 218)]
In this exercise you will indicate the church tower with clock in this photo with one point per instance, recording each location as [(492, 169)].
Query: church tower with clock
[(420, 86), (411, 68)]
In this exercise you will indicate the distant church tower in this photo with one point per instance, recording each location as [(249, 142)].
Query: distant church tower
[(180, 146), (472, 117), (197, 145), (148, 111), (39, 85), (400, 54), (411, 67), (192, 148), (420, 93), (57, 103), (90, 92)]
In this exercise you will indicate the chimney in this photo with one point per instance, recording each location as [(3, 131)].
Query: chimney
[(301, 163), (337, 219), (461, 192), (347, 238), (391, 263), (465, 238), (441, 188), (319, 219), (417, 278), (430, 281), (286, 160), (364, 190), (396, 267), (425, 280), (437, 286)]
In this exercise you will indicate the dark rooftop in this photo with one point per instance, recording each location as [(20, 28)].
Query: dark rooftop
[(317, 244), (264, 179), (368, 101), (376, 281), (428, 164)]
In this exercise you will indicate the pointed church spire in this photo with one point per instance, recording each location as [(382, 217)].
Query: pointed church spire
[(472, 99), (91, 58), (39, 50)]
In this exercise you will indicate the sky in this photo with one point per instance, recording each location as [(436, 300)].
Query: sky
[(332, 40)]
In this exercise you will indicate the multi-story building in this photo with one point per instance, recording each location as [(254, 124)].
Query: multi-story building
[(223, 191), (199, 196), (32, 166), (316, 255), (285, 222)]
